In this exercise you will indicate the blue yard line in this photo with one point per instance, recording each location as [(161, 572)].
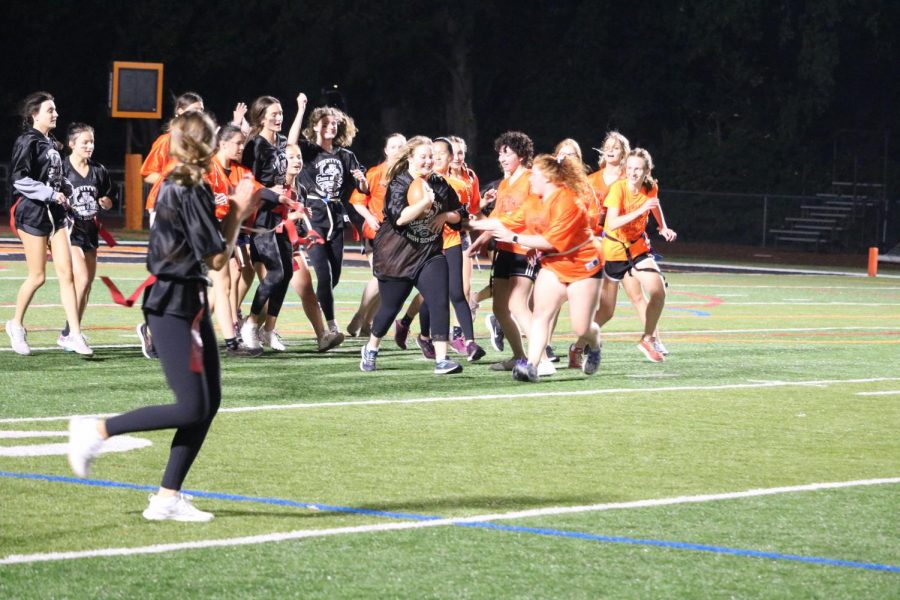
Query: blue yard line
[(698, 313), (561, 533), (681, 546), (221, 496)]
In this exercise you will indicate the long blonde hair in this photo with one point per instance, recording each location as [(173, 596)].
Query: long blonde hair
[(401, 163), (193, 143), (623, 141)]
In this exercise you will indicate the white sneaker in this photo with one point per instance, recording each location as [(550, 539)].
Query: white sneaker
[(546, 368), (659, 347), (17, 337), (271, 339), (249, 335), (75, 342), (174, 508), (84, 444), (61, 341)]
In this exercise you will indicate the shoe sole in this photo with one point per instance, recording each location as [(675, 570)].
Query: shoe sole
[(334, 343), (649, 356), (454, 370)]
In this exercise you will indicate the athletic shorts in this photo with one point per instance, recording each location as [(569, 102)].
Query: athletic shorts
[(616, 269), (84, 234), (36, 218), (509, 264)]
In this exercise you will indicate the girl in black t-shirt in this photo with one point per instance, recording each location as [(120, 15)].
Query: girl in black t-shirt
[(408, 248), (270, 249), (185, 240), (42, 196), (330, 174), (92, 191)]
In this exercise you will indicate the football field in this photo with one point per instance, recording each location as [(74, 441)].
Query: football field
[(762, 459)]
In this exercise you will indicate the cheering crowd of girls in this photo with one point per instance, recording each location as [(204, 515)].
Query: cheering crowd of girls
[(554, 232), (240, 200)]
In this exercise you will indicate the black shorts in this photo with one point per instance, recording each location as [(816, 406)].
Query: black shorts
[(616, 269), (36, 218), (84, 234), (509, 264)]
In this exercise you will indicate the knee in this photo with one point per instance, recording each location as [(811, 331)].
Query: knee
[(36, 280)]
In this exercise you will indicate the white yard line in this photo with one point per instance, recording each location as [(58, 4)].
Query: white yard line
[(884, 393), (406, 525), (508, 396)]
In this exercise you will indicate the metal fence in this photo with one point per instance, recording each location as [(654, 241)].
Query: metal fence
[(770, 220), (728, 218)]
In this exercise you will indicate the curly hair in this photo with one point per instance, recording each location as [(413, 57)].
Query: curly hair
[(519, 143), (346, 127)]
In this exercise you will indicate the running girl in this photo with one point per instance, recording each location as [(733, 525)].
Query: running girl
[(42, 197), (186, 236), (92, 191)]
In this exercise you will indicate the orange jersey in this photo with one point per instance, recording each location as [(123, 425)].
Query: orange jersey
[(452, 237), (596, 211), (224, 182), (562, 220), (157, 161), (630, 235), (374, 200), (511, 196), (473, 191)]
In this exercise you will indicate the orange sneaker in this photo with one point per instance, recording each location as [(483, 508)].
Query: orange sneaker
[(647, 347)]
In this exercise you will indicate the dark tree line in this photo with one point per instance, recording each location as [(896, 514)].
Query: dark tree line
[(746, 95)]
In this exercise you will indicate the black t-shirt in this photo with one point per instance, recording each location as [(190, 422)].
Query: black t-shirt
[(86, 191), (35, 156), (326, 175), (268, 162), (400, 251), (185, 232)]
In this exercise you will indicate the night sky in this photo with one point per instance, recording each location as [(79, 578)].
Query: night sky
[(742, 96)]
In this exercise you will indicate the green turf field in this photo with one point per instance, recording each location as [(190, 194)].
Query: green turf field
[(330, 483)]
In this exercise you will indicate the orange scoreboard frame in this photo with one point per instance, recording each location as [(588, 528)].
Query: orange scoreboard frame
[(136, 90)]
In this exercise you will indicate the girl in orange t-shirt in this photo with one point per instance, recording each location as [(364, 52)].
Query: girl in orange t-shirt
[(626, 249), (554, 223), (513, 274), (370, 206), (613, 152), (225, 173)]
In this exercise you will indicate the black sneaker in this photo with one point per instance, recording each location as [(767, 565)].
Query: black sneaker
[(243, 351), (525, 372), (146, 341), (495, 332), (551, 355)]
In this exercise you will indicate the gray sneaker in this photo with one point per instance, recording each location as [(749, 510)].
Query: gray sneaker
[(369, 357), (447, 367)]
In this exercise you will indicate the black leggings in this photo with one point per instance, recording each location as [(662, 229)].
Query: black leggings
[(274, 251), (326, 260), (432, 283), (457, 296), (197, 395)]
